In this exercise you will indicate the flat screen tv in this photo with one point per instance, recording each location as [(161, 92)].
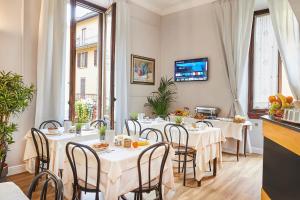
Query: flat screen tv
[(191, 70)]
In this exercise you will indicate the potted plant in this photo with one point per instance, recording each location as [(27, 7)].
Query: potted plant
[(15, 96), (133, 116), (161, 100), (83, 114), (102, 130), (178, 120)]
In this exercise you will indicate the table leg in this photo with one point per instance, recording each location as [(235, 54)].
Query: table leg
[(245, 139), (37, 165), (215, 167), (237, 149)]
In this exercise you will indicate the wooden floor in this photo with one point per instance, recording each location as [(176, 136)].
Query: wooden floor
[(235, 181)]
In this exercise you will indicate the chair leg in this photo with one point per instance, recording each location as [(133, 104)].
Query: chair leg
[(60, 173), (79, 193), (237, 150), (184, 171), (178, 163), (194, 165), (37, 166), (215, 167), (209, 166)]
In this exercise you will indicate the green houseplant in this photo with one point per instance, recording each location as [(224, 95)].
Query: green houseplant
[(15, 96), (161, 100), (102, 130)]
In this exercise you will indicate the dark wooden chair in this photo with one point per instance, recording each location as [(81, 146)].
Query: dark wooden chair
[(80, 184), (153, 183), (208, 123), (50, 179), (42, 150), (148, 133), (98, 123), (137, 126), (50, 124), (181, 147)]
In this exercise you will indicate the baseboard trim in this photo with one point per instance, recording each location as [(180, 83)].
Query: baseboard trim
[(257, 150), (17, 169)]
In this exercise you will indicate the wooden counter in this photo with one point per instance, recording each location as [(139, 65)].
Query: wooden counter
[(281, 160)]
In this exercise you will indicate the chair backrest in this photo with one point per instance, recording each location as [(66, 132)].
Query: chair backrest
[(41, 144), (98, 123), (148, 133), (208, 123), (167, 118), (148, 153), (137, 126), (49, 178), (177, 136), (71, 147), (50, 124)]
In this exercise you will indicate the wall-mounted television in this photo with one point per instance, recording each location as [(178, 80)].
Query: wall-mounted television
[(191, 70)]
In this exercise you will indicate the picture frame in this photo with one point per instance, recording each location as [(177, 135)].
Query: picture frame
[(142, 70)]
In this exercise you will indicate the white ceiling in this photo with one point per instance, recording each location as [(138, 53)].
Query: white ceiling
[(164, 7)]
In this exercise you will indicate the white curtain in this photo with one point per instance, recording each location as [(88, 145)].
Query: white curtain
[(295, 4), (51, 61), (286, 28), (121, 63), (234, 21)]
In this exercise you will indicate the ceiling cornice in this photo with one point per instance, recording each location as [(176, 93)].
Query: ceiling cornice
[(176, 8)]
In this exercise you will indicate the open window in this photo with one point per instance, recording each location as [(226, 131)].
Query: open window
[(92, 41)]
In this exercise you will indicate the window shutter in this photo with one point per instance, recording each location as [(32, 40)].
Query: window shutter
[(86, 59), (78, 60), (95, 58)]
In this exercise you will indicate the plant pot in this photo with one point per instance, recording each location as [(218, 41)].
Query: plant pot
[(102, 137), (4, 174)]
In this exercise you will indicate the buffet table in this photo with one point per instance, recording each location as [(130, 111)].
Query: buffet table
[(57, 143)]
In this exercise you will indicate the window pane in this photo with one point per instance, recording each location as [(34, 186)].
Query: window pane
[(265, 74), (107, 67), (87, 25)]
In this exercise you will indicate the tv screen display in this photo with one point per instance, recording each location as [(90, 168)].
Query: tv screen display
[(191, 70)]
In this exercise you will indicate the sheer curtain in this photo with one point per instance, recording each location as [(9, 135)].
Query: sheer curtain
[(121, 63), (51, 61), (234, 21), (286, 28)]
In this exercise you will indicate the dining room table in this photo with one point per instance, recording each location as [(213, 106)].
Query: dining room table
[(10, 191), (57, 141), (207, 141), (119, 171)]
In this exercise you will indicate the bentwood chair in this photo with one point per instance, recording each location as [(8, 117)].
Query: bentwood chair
[(98, 123), (50, 124), (208, 123), (80, 184), (153, 183), (149, 133), (137, 126), (50, 180), (178, 137), (42, 150)]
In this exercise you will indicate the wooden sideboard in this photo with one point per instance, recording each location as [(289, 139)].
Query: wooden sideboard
[(281, 160)]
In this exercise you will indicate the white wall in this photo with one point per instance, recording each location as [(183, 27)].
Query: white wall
[(145, 41), (18, 39), (188, 34)]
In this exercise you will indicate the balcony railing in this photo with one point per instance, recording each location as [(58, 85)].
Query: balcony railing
[(86, 41)]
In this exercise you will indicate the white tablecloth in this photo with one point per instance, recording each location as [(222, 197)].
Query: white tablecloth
[(119, 174), (10, 191), (57, 145), (207, 142)]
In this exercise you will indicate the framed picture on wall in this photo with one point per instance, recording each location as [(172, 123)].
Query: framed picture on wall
[(142, 70)]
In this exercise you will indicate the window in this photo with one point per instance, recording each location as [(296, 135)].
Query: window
[(82, 60), (95, 58), (83, 37), (82, 87), (265, 65), (87, 39)]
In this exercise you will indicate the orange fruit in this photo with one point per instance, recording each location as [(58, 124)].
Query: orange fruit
[(135, 144), (272, 99), (289, 99)]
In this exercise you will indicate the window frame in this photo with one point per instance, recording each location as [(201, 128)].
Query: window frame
[(72, 92), (252, 112)]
